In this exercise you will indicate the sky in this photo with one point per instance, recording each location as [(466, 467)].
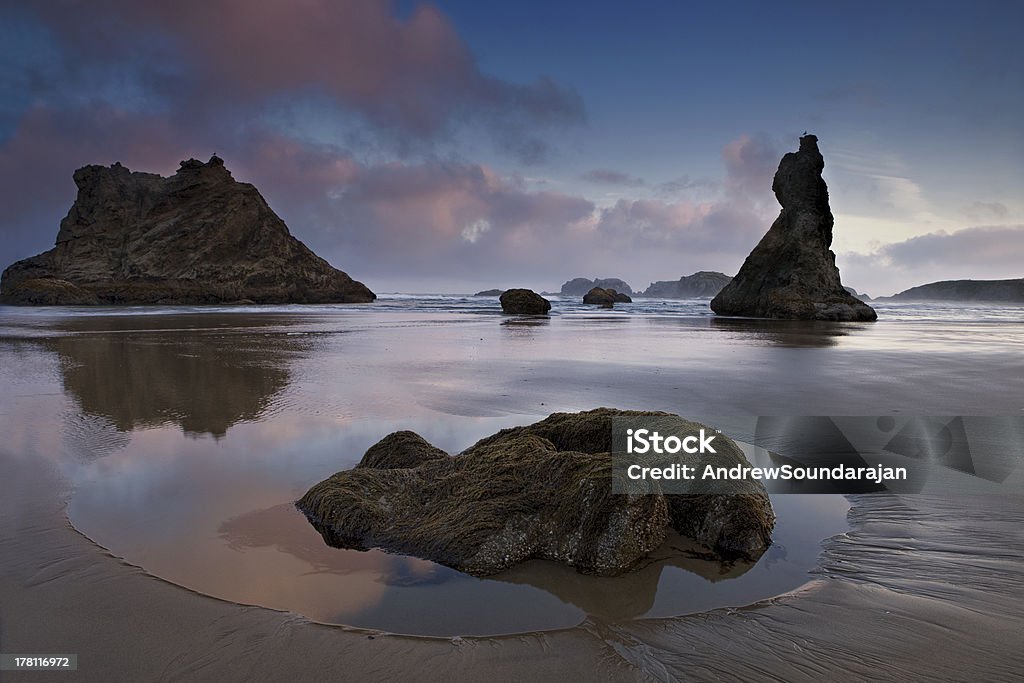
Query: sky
[(461, 145)]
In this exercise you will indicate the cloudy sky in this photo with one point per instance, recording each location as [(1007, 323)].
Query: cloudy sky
[(457, 145)]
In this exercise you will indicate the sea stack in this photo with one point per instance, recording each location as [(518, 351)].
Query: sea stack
[(197, 237), (791, 273)]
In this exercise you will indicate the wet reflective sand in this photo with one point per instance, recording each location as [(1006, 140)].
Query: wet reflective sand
[(197, 429)]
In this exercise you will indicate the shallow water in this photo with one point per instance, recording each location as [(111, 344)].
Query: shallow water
[(217, 516), (187, 432)]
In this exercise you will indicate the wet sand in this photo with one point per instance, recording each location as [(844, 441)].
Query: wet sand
[(920, 588)]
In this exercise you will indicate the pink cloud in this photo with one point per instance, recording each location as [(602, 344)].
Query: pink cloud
[(412, 74), (750, 164), (397, 219)]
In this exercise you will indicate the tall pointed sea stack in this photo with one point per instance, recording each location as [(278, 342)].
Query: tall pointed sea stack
[(197, 237), (792, 273)]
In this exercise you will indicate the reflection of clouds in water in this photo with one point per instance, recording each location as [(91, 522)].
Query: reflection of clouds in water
[(160, 498), (285, 528)]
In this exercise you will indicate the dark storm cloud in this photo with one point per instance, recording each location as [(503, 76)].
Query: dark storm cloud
[(411, 76)]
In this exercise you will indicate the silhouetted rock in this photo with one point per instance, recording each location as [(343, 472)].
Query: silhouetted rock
[(197, 237), (524, 302), (994, 291), (541, 491), (860, 295), (605, 297), (581, 285), (700, 285), (791, 273), (490, 292)]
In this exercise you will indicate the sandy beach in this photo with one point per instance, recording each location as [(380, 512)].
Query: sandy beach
[(917, 588)]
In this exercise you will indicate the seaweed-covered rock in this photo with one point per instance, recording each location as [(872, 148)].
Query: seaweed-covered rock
[(524, 302), (738, 523), (540, 491), (400, 450), (791, 273), (488, 510)]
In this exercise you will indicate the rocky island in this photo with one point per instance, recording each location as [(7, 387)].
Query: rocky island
[(197, 237), (540, 491), (989, 291), (791, 273), (700, 285), (580, 285)]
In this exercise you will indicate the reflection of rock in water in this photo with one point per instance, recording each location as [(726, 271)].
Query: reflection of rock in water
[(621, 597), (788, 333), (205, 381), (629, 595)]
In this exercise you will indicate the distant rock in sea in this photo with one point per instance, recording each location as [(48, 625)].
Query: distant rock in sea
[(993, 291), (490, 292), (524, 302), (701, 285), (197, 237), (606, 297), (581, 285), (541, 491), (860, 295), (792, 273)]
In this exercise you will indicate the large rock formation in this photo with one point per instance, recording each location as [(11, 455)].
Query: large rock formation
[(197, 237), (701, 285), (606, 297), (581, 285), (540, 491), (524, 302), (994, 291), (792, 273), (490, 292)]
